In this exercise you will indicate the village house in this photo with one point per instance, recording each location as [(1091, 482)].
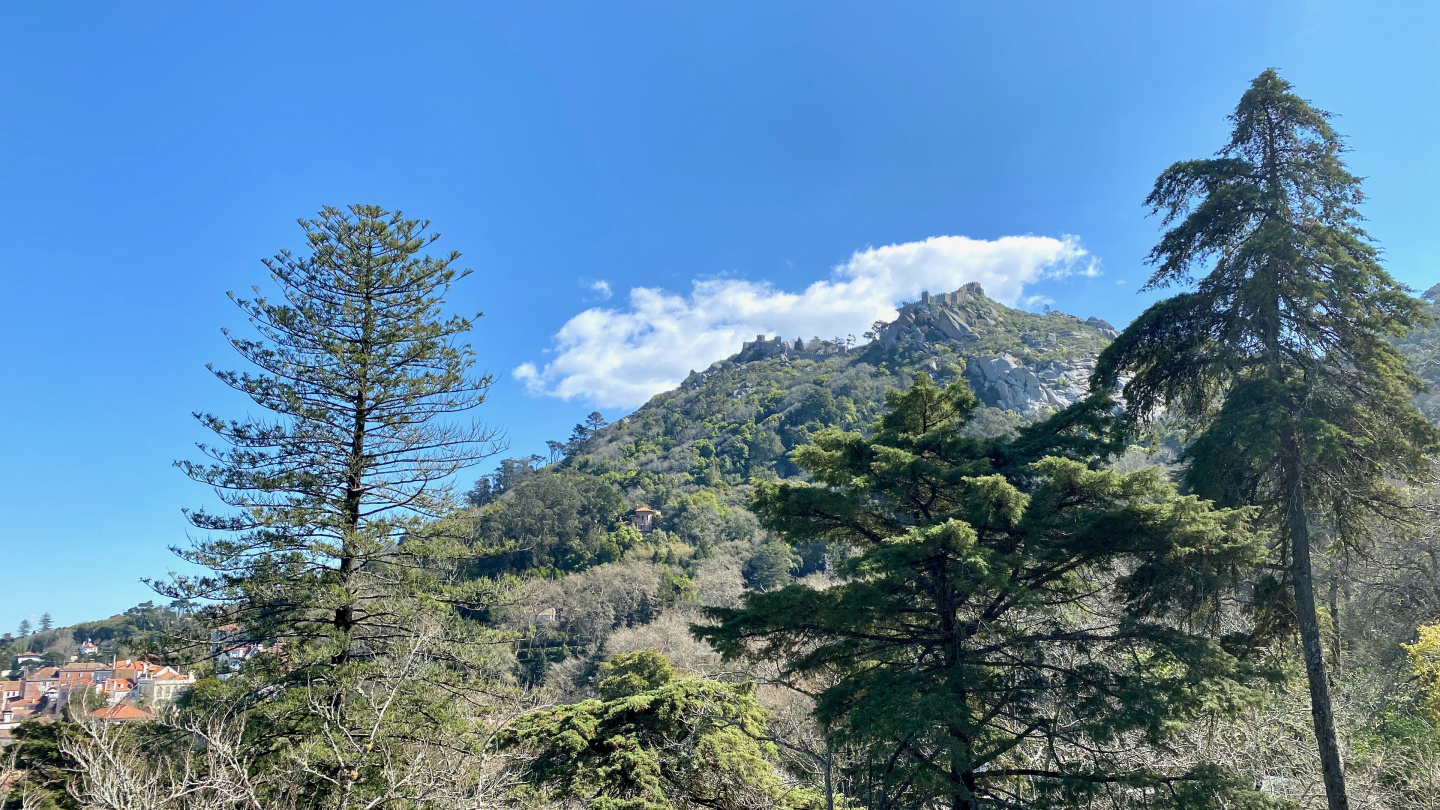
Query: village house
[(163, 686), (231, 650), (644, 519), (122, 713)]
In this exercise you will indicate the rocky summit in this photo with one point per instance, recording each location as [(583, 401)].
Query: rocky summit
[(742, 415)]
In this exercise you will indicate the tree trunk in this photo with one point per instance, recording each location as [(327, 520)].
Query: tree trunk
[(1302, 575)]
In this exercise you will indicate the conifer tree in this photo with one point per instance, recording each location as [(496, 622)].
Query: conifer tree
[(655, 739), (335, 554), (1010, 625), (1281, 355)]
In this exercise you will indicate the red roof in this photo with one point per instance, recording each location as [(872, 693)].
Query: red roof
[(122, 711), (644, 509)]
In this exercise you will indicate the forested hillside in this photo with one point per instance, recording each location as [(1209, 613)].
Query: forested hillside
[(695, 452)]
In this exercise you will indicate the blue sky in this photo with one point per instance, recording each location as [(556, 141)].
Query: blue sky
[(152, 153)]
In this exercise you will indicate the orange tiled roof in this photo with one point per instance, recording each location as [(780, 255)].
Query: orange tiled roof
[(121, 711)]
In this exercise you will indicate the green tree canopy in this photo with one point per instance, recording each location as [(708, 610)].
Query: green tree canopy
[(1006, 632), (550, 520), (656, 740)]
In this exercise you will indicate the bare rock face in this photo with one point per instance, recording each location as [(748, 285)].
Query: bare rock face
[(1014, 360), (1001, 381), (1103, 327)]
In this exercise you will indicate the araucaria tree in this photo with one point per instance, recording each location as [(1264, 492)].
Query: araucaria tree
[(1011, 628), (1281, 355), (335, 556)]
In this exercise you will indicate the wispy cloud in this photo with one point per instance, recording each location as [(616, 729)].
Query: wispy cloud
[(602, 288), (622, 357)]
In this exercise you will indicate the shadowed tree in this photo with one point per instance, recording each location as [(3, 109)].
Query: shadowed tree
[(1281, 356)]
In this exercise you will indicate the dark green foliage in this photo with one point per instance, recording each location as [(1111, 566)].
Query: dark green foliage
[(771, 566), (551, 520), (45, 769), (655, 741), (357, 368), (1289, 332), (1006, 629), (1422, 347)]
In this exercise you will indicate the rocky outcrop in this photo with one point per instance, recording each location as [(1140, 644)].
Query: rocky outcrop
[(962, 316), (1103, 327), (1001, 381), (1058, 349)]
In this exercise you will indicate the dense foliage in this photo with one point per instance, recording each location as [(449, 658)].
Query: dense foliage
[(653, 740), (1004, 631)]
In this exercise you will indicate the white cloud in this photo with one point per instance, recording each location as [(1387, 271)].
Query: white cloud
[(1036, 302), (602, 287), (622, 357)]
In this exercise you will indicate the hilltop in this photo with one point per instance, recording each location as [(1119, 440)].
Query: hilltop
[(738, 418), (693, 453)]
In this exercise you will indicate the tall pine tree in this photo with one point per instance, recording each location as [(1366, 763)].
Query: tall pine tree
[(1281, 355), (335, 553)]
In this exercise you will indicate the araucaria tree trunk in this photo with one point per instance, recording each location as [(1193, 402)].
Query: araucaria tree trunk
[(1281, 357)]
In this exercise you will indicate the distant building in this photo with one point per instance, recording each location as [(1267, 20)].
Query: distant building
[(122, 713), (163, 686), (547, 615), (644, 519), (231, 649)]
